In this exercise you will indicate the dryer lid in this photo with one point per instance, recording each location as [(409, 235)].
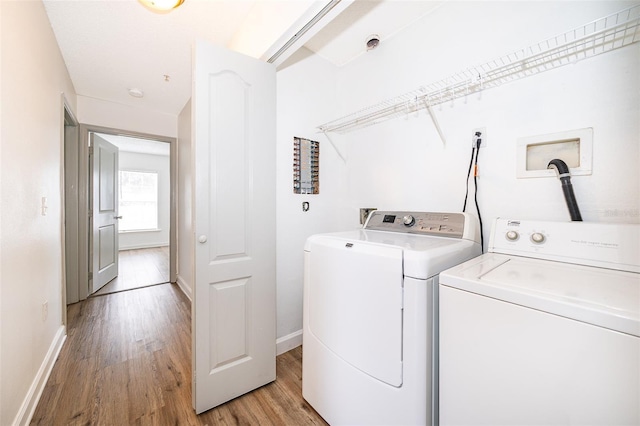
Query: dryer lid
[(423, 256)]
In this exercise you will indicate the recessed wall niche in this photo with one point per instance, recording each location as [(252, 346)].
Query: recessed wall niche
[(306, 166), (574, 147)]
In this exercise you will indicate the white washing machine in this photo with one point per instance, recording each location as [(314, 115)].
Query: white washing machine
[(544, 329), (370, 316)]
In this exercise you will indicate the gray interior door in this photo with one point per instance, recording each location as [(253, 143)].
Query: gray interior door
[(104, 194)]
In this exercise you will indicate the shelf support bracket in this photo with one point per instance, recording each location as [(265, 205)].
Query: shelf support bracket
[(335, 147), (435, 121)]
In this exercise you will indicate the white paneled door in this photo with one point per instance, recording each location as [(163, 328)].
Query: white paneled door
[(233, 318), (105, 212)]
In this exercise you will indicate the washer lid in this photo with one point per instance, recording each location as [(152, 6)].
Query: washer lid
[(602, 297), (423, 256)]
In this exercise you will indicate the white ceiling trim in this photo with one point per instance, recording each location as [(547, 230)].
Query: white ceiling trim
[(303, 30)]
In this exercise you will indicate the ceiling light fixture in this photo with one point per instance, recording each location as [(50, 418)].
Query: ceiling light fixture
[(161, 5)]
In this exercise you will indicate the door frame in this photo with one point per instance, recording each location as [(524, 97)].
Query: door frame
[(69, 214), (82, 197)]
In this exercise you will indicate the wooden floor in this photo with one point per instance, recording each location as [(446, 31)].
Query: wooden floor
[(127, 360), (139, 268)]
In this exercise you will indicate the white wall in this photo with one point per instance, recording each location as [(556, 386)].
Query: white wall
[(1, 210), (185, 227), (403, 164), (306, 96), (149, 163), (33, 78), (103, 113)]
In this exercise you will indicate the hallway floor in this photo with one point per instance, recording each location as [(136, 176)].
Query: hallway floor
[(127, 360), (139, 268)]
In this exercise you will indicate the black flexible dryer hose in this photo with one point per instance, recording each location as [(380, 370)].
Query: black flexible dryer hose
[(565, 178)]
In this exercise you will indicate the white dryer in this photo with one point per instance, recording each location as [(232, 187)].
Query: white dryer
[(370, 316), (544, 329)]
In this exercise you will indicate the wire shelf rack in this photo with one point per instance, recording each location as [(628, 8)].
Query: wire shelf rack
[(597, 37)]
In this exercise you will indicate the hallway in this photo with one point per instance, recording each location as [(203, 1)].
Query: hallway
[(127, 360), (139, 268)]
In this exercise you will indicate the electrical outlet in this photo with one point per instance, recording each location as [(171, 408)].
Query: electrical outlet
[(45, 310), (364, 213), (483, 136)]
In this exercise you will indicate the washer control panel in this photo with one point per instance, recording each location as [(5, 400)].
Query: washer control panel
[(424, 223), (609, 245), (521, 235)]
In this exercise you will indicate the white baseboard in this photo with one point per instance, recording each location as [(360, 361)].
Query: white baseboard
[(30, 402), (288, 342), (185, 287)]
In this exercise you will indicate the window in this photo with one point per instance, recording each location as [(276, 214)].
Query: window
[(138, 200)]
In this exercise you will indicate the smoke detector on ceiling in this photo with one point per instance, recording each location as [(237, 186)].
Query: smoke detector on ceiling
[(136, 93), (372, 41)]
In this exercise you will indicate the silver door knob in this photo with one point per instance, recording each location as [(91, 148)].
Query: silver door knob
[(117, 217), (202, 239)]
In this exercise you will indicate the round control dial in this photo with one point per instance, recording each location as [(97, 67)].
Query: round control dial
[(512, 235), (537, 237), (408, 220)]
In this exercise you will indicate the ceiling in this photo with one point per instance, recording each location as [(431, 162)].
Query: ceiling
[(112, 46)]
